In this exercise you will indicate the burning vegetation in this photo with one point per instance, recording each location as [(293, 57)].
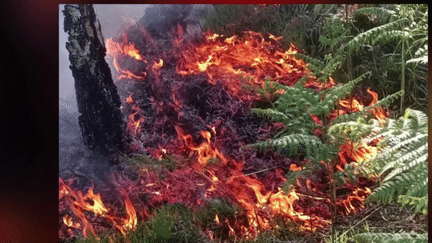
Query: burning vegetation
[(188, 106)]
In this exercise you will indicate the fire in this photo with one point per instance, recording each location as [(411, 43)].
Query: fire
[(92, 202), (230, 63), (354, 201), (294, 167), (135, 120), (158, 65), (116, 50), (131, 221), (129, 99), (229, 59), (67, 220), (379, 113), (204, 151)]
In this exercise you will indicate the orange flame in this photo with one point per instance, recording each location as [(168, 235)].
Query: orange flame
[(129, 99), (92, 202), (354, 201), (230, 58), (378, 112), (158, 65), (131, 221), (204, 151), (114, 50)]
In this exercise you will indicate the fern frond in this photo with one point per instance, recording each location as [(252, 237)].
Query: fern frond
[(299, 98), (353, 117), (403, 161), (423, 60), (294, 144), (333, 95), (315, 63), (353, 130), (371, 35), (384, 14), (421, 203), (420, 119), (391, 237), (385, 101), (405, 167), (271, 114)]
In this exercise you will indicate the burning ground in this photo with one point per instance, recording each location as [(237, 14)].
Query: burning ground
[(186, 98)]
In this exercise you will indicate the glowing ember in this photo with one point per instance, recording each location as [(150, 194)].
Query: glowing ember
[(158, 65)]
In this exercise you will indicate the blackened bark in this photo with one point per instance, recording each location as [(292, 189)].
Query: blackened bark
[(100, 121)]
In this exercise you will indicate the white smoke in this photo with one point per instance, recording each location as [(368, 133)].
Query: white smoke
[(72, 153), (113, 19)]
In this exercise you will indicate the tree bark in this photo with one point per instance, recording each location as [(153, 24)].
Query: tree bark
[(100, 120)]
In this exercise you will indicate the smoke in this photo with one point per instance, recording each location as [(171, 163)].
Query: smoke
[(73, 155), (158, 20)]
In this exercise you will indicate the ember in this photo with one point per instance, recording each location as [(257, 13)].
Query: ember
[(192, 103)]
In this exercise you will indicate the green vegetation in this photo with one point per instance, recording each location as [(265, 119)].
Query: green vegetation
[(402, 162)]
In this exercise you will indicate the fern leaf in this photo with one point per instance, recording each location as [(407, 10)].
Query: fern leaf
[(404, 160), (385, 101), (391, 237), (294, 144), (382, 13), (422, 60), (271, 114), (353, 130), (370, 35)]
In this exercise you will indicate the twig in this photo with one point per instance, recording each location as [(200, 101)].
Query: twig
[(361, 221), (253, 173)]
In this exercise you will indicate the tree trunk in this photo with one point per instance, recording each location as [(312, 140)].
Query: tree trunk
[(101, 120)]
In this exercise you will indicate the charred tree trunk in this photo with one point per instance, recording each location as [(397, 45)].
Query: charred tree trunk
[(100, 121)]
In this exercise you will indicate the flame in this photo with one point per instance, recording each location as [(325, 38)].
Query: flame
[(115, 50), (354, 201), (92, 202), (230, 58), (158, 65), (135, 120), (67, 220), (294, 167), (217, 221), (312, 83), (204, 151), (231, 62), (131, 221), (378, 112)]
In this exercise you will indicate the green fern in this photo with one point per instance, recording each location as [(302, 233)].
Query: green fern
[(385, 101), (391, 237), (402, 162), (385, 15), (376, 35), (294, 108), (352, 130), (294, 144)]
